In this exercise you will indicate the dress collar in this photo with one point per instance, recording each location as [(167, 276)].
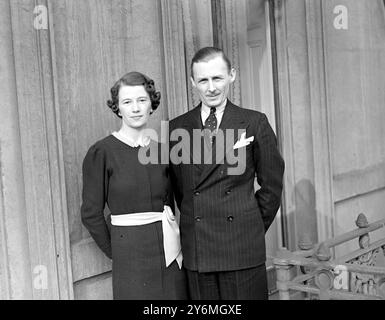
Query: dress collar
[(143, 141)]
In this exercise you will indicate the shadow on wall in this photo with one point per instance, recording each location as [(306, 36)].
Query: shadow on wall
[(302, 221)]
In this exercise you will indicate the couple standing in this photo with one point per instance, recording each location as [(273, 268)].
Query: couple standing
[(223, 220)]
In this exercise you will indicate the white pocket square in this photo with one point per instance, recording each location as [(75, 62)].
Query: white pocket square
[(243, 141)]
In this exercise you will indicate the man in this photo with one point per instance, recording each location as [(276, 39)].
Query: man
[(223, 220)]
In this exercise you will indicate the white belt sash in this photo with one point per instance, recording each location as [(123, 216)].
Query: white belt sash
[(171, 237)]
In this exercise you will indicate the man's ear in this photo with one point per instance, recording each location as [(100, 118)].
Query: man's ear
[(192, 82), (233, 75)]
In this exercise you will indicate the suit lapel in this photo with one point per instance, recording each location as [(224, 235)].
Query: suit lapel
[(232, 120)]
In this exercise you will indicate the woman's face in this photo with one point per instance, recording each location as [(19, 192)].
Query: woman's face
[(134, 106)]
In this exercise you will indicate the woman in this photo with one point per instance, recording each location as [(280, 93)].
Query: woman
[(144, 241)]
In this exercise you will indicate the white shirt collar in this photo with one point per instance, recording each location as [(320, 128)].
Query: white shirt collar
[(205, 112), (143, 141), (220, 109)]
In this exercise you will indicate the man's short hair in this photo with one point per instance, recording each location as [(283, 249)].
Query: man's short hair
[(207, 53)]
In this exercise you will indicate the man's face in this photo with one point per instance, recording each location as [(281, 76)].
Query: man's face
[(212, 81)]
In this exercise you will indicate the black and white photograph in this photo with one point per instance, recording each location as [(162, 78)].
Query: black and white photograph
[(192, 150)]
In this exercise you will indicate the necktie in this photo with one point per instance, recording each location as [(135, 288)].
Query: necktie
[(211, 121)]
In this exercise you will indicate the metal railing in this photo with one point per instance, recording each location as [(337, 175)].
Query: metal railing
[(358, 275)]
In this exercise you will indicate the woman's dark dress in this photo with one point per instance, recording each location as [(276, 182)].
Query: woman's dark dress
[(112, 174)]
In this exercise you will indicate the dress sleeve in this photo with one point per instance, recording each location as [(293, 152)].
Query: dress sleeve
[(95, 182)]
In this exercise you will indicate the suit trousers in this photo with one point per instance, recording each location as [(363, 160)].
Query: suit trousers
[(246, 284)]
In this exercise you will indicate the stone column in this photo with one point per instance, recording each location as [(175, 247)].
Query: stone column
[(15, 269)]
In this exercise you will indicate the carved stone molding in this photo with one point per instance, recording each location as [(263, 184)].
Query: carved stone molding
[(284, 122), (226, 37), (186, 28), (174, 54), (323, 179), (198, 33), (190, 46), (42, 156), (303, 112), (4, 274), (15, 275), (358, 275)]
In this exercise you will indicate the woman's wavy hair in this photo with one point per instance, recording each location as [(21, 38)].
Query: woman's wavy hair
[(133, 79)]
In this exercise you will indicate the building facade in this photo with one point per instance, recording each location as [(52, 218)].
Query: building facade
[(315, 67)]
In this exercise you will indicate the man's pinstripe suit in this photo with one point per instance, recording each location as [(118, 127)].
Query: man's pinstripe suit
[(223, 220)]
